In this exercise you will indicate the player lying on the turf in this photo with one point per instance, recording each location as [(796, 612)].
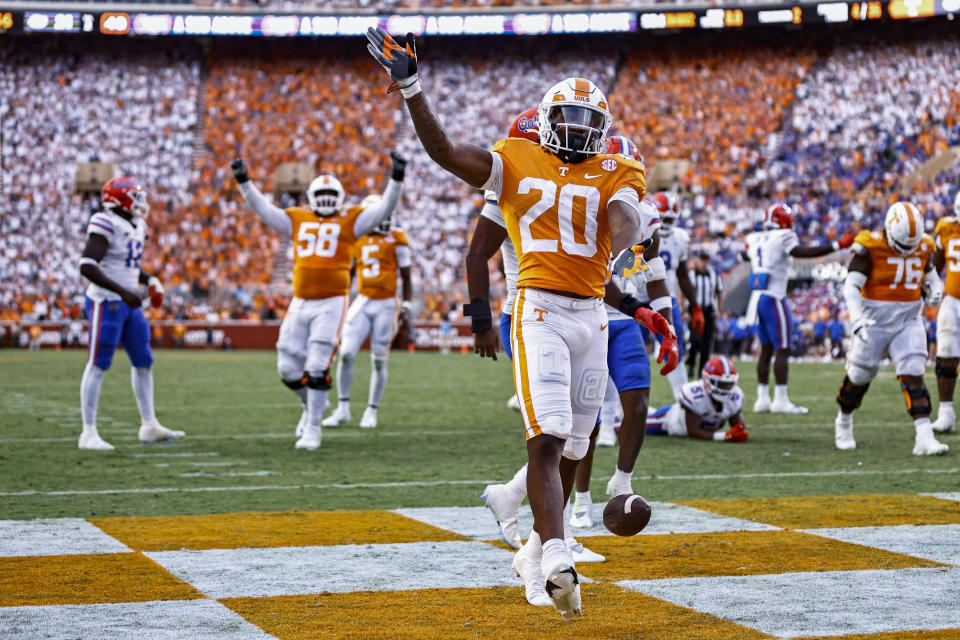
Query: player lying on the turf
[(705, 406), (771, 252), (888, 277), (323, 243), (380, 256), (111, 262), (947, 237), (566, 208)]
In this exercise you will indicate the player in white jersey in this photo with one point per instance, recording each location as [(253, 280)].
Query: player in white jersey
[(705, 405), (111, 262), (771, 252), (381, 257)]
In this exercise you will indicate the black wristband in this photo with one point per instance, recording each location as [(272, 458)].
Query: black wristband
[(397, 174), (481, 319), (629, 305)]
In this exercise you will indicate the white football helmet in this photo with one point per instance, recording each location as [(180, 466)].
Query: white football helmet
[(956, 205), (573, 119), (325, 195), (904, 227)]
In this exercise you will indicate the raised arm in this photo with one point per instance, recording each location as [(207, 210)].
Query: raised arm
[(469, 162), (276, 218), (372, 216)]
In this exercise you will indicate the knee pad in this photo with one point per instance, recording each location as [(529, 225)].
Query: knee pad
[(861, 375), (297, 384), (321, 382), (850, 395), (917, 397), (946, 371), (575, 448)]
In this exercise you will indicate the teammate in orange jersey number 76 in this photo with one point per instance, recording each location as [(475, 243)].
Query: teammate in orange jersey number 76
[(566, 207), (323, 243)]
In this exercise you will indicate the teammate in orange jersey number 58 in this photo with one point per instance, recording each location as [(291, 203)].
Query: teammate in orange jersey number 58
[(323, 236), (566, 207)]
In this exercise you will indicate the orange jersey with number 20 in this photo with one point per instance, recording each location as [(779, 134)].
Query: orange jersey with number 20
[(556, 213)]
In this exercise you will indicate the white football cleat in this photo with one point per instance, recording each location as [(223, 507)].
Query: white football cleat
[(310, 440), (580, 553), (926, 444), (527, 566), (369, 418), (788, 408), (762, 405), (945, 422), (91, 441), (563, 587), (157, 433), (581, 516), (843, 434), (514, 402), (614, 489), (607, 437), (300, 425), (505, 510), (340, 415)]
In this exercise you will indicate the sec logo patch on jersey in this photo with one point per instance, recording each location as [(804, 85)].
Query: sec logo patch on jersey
[(609, 164)]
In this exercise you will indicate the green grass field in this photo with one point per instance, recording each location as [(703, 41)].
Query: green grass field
[(445, 432)]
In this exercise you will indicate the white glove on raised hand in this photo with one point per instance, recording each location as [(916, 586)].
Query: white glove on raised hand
[(859, 327)]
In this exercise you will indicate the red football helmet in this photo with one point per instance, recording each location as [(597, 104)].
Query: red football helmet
[(669, 209), (125, 194), (623, 146), (778, 216), (525, 126), (719, 377)]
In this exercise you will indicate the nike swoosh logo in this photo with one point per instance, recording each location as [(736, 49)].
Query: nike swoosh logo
[(603, 327), (587, 176)]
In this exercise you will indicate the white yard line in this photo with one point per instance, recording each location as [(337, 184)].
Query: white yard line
[(184, 454), (286, 435), (437, 483)]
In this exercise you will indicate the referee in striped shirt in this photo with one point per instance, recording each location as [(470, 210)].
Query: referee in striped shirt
[(709, 290)]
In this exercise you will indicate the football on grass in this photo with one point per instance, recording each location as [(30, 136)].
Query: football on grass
[(626, 515)]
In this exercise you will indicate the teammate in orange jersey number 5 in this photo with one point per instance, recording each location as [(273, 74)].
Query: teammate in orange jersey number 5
[(566, 207), (323, 243)]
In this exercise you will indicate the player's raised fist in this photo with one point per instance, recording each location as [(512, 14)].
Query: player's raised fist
[(239, 168), (846, 240), (398, 165), (399, 61)]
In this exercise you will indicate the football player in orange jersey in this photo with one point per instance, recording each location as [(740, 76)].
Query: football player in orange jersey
[(890, 273), (380, 256), (947, 237), (323, 240), (567, 207)]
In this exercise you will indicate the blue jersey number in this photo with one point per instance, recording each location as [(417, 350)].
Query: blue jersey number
[(667, 260), (134, 253)]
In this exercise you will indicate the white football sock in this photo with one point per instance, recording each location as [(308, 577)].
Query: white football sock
[(622, 477), (518, 484), (780, 394), (316, 405), (677, 378), (554, 552), (582, 497), (567, 532), (533, 541), (923, 425), (90, 395), (141, 379), (302, 395), (611, 404), (763, 392), (845, 418), (344, 377), (945, 407), (378, 381)]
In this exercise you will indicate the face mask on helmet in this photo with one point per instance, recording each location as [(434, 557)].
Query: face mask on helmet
[(667, 222), (575, 132), (140, 207), (903, 227), (720, 378), (325, 195)]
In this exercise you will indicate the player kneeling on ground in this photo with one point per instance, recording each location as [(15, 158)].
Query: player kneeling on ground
[(111, 262), (887, 276), (704, 406)]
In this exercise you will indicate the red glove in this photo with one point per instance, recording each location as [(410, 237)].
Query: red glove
[(657, 324), (737, 433), (697, 323), (155, 292), (846, 240)]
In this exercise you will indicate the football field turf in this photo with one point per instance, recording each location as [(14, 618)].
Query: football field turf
[(231, 533)]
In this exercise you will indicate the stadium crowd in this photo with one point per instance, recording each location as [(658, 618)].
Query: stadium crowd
[(756, 124)]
